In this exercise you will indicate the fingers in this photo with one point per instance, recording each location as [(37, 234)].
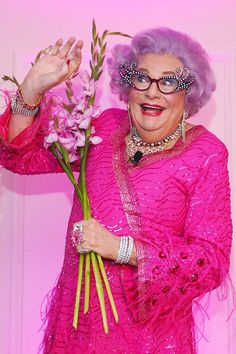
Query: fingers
[(55, 49), (66, 48), (74, 58)]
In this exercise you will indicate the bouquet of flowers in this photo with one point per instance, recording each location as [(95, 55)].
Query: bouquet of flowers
[(69, 135)]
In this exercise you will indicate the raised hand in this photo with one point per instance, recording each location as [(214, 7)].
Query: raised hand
[(57, 64)]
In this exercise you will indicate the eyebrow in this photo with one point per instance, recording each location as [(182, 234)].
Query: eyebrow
[(163, 73)]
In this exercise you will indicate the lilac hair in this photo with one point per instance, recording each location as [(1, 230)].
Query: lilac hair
[(164, 40)]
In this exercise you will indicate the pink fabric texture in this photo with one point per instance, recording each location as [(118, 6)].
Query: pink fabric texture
[(176, 205)]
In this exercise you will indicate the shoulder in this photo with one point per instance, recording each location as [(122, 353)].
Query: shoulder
[(110, 119), (205, 141), (113, 115), (203, 148)]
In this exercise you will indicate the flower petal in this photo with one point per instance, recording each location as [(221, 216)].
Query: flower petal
[(95, 140)]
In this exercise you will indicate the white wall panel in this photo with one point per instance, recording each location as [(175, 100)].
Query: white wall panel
[(34, 209)]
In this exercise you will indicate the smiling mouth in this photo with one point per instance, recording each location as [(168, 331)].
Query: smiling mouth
[(154, 109)]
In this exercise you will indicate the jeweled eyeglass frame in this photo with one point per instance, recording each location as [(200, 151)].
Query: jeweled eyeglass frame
[(184, 77)]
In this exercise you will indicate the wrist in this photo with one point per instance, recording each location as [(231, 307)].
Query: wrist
[(125, 251), (113, 247), (30, 94)]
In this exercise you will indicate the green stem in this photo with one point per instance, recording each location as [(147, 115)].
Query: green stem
[(87, 215), (108, 289), (68, 171), (78, 291), (87, 282), (99, 291)]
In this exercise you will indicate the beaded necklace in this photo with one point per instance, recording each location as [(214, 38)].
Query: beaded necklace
[(134, 143)]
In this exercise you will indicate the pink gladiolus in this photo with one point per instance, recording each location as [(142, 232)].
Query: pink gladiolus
[(95, 140), (73, 156), (92, 112), (81, 104), (80, 139), (85, 77), (85, 123), (67, 142), (90, 89), (51, 138), (89, 86), (70, 122)]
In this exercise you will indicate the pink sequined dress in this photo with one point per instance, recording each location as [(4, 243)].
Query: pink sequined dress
[(176, 205)]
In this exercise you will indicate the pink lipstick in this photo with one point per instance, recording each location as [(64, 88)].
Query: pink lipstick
[(151, 109)]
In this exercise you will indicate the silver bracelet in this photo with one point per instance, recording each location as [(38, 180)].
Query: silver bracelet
[(125, 249), (18, 109), (129, 250), (122, 250)]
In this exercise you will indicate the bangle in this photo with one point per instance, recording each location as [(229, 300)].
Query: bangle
[(24, 102), (125, 250), (17, 108), (129, 249)]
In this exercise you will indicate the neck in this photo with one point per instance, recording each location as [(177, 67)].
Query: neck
[(153, 137)]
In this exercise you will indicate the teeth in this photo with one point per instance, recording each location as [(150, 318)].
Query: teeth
[(152, 107)]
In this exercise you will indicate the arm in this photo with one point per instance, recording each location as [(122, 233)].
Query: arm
[(21, 137), (26, 154), (174, 270)]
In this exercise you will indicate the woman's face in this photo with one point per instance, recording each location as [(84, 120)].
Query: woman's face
[(154, 114)]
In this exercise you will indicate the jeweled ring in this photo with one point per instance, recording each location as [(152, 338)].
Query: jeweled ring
[(48, 50), (83, 250), (77, 236)]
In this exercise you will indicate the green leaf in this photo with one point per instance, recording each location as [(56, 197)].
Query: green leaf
[(104, 34), (99, 42), (100, 61), (103, 49), (96, 56), (94, 30), (96, 40), (69, 87), (92, 48), (15, 81), (67, 107), (68, 94), (99, 74), (118, 34), (7, 78), (91, 100), (12, 79), (91, 65)]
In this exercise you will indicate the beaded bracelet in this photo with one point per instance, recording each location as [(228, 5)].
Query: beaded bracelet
[(17, 108), (125, 250), (24, 102)]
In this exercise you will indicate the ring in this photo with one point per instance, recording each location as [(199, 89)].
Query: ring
[(82, 249), (48, 50), (77, 234), (78, 238)]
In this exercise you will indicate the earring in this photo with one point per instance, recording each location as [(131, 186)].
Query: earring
[(184, 117), (132, 129)]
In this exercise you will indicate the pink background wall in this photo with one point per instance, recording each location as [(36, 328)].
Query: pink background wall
[(34, 210)]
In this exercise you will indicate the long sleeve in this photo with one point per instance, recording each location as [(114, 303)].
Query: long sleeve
[(26, 154), (175, 269)]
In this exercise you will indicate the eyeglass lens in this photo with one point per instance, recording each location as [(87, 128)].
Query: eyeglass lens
[(165, 85)]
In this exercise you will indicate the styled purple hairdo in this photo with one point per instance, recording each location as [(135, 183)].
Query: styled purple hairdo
[(164, 40)]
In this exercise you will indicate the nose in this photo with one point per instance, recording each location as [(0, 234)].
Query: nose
[(153, 91)]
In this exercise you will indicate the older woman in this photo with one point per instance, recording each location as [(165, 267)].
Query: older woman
[(159, 194)]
